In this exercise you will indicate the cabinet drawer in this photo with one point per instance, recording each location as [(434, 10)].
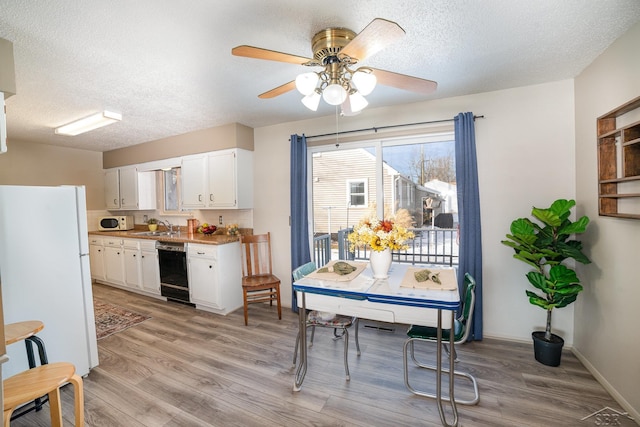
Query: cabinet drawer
[(113, 242), (131, 243), (203, 251), (148, 245), (95, 241)]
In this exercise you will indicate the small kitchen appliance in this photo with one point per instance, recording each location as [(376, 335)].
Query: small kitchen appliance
[(115, 223)]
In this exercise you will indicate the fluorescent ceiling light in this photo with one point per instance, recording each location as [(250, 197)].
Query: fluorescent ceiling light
[(89, 123)]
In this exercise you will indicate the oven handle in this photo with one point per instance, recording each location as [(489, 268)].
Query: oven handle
[(168, 285)]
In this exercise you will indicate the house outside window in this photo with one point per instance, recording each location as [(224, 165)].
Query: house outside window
[(357, 194), (383, 177)]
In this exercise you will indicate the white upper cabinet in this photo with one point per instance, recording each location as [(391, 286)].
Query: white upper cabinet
[(127, 188), (218, 180), (112, 188), (194, 182), (222, 180)]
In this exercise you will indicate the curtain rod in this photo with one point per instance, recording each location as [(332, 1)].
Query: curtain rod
[(376, 129)]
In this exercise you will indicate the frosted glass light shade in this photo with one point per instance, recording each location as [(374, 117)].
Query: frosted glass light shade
[(365, 82), (312, 101), (334, 94), (306, 83), (357, 102), (89, 123)]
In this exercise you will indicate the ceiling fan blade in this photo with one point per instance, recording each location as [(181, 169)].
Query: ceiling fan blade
[(376, 36), (269, 55), (279, 90), (402, 81)]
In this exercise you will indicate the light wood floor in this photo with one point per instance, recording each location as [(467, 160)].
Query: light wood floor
[(186, 367)]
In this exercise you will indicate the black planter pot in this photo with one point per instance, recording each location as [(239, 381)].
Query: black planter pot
[(547, 352)]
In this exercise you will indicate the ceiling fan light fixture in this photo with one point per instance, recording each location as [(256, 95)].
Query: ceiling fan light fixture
[(334, 94), (306, 83), (365, 81), (357, 102), (312, 101), (87, 124)]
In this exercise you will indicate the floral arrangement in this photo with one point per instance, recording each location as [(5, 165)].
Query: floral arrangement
[(379, 235), (232, 230)]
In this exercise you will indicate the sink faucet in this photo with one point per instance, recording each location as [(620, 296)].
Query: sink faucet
[(168, 225)]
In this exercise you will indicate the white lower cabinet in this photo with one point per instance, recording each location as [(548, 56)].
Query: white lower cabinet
[(214, 271), (114, 261), (132, 263), (215, 277), (96, 258), (150, 270)]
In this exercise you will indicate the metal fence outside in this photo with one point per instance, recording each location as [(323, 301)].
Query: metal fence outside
[(431, 245)]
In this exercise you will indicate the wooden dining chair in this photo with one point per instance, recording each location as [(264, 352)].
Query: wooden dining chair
[(259, 284)]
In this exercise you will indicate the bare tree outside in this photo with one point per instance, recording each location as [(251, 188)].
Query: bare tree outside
[(425, 166)]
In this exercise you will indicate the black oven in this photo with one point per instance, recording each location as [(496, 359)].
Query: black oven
[(174, 282)]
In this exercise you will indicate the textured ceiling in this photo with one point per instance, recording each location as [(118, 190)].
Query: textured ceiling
[(167, 67)]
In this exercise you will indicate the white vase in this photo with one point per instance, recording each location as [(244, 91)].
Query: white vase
[(380, 263)]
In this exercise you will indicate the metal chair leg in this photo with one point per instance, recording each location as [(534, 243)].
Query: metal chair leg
[(355, 325), (345, 335), (409, 348), (346, 353)]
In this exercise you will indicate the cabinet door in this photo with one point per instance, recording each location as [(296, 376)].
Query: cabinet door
[(222, 180), (132, 268), (150, 280), (193, 182), (203, 282), (129, 188), (96, 261), (112, 189), (114, 265)]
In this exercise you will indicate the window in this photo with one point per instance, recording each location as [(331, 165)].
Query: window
[(170, 186), (382, 178), (357, 193)]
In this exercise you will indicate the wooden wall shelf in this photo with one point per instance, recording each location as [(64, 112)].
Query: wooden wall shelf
[(619, 163)]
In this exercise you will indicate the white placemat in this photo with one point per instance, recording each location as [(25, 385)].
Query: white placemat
[(330, 275)]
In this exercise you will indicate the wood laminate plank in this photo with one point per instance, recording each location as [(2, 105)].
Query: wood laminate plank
[(186, 367)]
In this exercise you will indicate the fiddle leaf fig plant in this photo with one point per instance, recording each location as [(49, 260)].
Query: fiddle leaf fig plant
[(545, 247)]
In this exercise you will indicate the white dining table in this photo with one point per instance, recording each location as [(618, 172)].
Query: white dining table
[(383, 300)]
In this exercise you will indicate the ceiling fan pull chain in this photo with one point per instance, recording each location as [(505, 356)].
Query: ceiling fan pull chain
[(337, 133)]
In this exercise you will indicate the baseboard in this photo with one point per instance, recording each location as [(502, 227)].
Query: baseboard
[(529, 340), (607, 386)]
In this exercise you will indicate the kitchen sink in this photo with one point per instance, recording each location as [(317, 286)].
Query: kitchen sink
[(157, 233)]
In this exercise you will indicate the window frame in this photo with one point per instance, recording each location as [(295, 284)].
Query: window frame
[(435, 135), (365, 193), (161, 194)]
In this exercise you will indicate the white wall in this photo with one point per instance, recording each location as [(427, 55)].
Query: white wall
[(606, 313), (525, 148)]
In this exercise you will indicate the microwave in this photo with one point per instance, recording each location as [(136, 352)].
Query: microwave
[(109, 223)]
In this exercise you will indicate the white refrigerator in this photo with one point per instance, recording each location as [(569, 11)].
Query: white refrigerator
[(44, 272)]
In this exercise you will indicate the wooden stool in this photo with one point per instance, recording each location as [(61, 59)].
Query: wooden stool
[(46, 379), (27, 330)]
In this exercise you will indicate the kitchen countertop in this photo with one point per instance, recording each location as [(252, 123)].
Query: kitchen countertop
[(183, 236)]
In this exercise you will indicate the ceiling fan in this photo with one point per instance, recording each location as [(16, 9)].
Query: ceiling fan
[(336, 50)]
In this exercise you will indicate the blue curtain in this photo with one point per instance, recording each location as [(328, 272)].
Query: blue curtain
[(469, 212), (299, 213)]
